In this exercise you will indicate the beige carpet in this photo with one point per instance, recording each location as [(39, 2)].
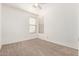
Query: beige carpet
[(36, 47)]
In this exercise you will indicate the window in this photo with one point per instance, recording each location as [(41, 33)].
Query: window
[(32, 25)]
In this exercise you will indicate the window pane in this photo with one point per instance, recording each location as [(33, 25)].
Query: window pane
[(32, 29), (32, 21)]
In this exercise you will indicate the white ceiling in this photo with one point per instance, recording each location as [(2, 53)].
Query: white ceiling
[(26, 6), (45, 6)]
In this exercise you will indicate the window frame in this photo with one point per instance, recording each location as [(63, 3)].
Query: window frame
[(33, 25)]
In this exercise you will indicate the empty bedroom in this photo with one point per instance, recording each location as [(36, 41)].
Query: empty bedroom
[(39, 29)]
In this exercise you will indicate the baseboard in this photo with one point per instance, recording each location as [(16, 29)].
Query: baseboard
[(46, 38), (62, 44), (22, 39)]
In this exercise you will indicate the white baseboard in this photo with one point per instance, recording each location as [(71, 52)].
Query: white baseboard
[(22, 39), (45, 37), (62, 44)]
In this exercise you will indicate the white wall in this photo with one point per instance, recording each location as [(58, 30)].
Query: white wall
[(15, 25), (0, 26), (78, 27), (78, 20), (60, 24)]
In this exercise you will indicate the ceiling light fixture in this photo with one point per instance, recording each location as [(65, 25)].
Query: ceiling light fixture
[(37, 5)]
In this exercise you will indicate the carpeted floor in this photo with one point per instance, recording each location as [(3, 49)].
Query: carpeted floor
[(36, 47)]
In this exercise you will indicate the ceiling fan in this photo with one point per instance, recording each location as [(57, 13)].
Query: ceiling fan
[(37, 6)]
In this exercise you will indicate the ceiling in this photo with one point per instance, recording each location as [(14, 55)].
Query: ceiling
[(27, 7)]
